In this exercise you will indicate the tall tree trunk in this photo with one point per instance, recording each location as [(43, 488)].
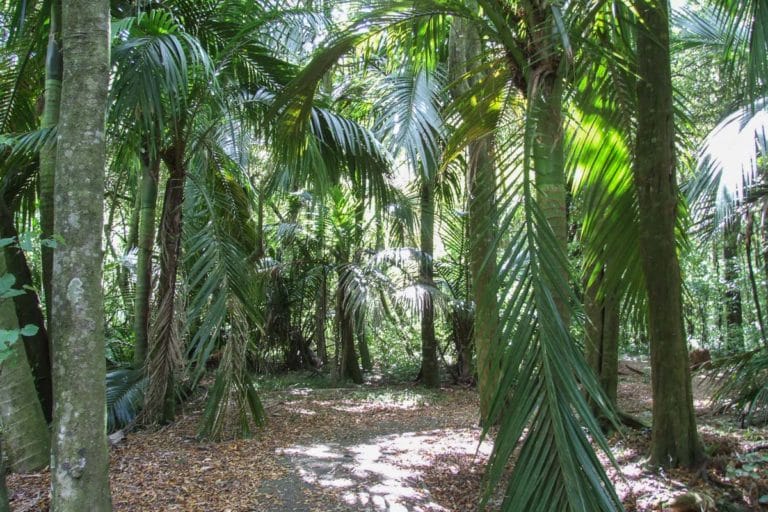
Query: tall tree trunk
[(466, 50), (360, 331), (25, 432), (164, 358), (674, 440), (146, 241), (734, 330), (430, 371), (79, 463), (28, 312), (53, 76), (483, 271), (548, 162)]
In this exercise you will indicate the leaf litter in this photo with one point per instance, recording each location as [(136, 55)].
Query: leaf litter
[(395, 448)]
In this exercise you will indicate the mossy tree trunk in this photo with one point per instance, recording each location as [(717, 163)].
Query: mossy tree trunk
[(79, 462), (674, 440), (146, 241)]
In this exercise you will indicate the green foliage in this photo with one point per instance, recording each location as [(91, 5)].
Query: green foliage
[(125, 396), (742, 383)]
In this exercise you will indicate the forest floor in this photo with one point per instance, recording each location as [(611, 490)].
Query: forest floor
[(391, 447)]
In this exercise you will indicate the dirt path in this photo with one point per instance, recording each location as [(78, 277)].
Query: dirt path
[(352, 449), (375, 452), (387, 449)]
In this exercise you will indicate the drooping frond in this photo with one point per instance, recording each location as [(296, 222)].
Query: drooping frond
[(543, 396), (225, 291), (409, 118)]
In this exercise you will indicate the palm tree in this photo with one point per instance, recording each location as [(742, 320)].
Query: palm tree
[(543, 361), (675, 441)]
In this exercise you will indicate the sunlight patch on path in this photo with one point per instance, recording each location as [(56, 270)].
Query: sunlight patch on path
[(383, 472)]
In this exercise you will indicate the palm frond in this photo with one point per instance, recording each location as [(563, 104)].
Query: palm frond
[(125, 396), (729, 163)]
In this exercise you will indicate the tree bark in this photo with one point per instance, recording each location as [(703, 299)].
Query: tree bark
[(548, 162), (164, 358), (25, 432), (53, 75), (28, 312), (430, 371), (79, 462), (146, 241), (674, 440), (349, 366), (602, 337), (466, 49)]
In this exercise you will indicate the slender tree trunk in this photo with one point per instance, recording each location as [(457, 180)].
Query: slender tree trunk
[(748, 231), (164, 358), (25, 432), (28, 312), (146, 241), (79, 463), (602, 337), (461, 331), (764, 243), (362, 343), (53, 74), (674, 440), (360, 331), (482, 264), (548, 162), (321, 311), (466, 50), (132, 238), (734, 330), (350, 368), (430, 371)]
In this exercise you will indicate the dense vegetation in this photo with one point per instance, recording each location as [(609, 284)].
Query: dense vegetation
[(506, 193)]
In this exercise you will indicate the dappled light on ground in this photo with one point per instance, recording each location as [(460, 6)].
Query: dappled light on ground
[(396, 448), (384, 472)]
